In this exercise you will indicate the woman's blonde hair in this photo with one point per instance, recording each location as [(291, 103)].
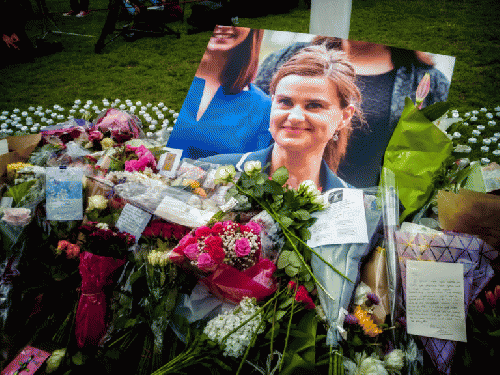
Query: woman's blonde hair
[(318, 61), (242, 63)]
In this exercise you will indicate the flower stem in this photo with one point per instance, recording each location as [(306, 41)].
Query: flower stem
[(288, 330)]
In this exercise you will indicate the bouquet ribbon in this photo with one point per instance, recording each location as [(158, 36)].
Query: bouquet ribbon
[(96, 272), (228, 283)]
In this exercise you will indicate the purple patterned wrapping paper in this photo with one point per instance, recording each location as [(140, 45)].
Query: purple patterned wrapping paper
[(448, 247)]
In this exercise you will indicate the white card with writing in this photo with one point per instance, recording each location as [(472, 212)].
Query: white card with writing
[(4, 147), (64, 193), (435, 300), (133, 220), (343, 221), (169, 161)]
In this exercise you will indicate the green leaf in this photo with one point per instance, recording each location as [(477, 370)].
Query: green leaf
[(286, 221), (286, 303), (294, 260), (280, 176), (302, 214), (291, 270), (272, 187), (283, 259), (77, 359), (277, 316), (258, 190), (130, 323)]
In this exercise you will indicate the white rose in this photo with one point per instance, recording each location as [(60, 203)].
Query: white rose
[(98, 202), (252, 166), (309, 187), (394, 361), (102, 226), (225, 173)]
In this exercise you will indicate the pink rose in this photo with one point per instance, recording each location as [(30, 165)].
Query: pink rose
[(72, 251), (206, 263), (188, 239), (192, 251), (254, 227), (242, 247)]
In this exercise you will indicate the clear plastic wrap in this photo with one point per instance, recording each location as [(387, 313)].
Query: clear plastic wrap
[(346, 258)]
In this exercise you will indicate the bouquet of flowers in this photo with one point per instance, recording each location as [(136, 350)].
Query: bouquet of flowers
[(230, 253), (103, 250)]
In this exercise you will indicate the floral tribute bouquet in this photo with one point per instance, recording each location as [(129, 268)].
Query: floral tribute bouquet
[(103, 251), (231, 255)]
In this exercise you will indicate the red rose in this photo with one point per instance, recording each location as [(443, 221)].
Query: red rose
[(303, 296), (178, 231), (166, 230), (213, 246), (218, 228), (202, 232)]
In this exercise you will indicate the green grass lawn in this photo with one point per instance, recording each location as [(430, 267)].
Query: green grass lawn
[(160, 69)]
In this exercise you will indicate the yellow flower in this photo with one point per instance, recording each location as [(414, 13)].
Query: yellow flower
[(366, 322)]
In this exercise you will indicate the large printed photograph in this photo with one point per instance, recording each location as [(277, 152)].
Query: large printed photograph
[(323, 107)]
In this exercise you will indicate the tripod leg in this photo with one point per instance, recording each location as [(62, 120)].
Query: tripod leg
[(109, 24)]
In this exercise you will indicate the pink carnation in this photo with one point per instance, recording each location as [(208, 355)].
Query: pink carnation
[(206, 263), (242, 247), (192, 251)]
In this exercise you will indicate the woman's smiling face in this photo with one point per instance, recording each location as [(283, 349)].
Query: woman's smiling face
[(306, 113), (226, 38)]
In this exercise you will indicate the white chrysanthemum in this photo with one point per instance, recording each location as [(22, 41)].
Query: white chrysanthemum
[(395, 360), (360, 294), (372, 366), (236, 344)]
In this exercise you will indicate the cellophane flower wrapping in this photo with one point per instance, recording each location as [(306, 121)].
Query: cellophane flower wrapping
[(416, 153), (97, 272), (120, 124), (448, 247), (346, 258)]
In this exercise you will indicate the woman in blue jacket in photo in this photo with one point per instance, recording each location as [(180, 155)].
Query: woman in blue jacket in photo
[(314, 99), (223, 111)]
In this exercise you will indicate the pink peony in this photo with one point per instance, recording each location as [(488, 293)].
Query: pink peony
[(192, 251), (242, 247), (206, 263)]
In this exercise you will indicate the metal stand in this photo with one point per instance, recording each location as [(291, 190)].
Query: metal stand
[(49, 25)]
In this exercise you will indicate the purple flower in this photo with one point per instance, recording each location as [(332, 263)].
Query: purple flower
[(373, 298), (350, 319)]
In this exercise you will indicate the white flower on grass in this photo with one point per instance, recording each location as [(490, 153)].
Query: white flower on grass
[(462, 148), (489, 115), (395, 360), (492, 123), (483, 109), (220, 326), (253, 166), (485, 161)]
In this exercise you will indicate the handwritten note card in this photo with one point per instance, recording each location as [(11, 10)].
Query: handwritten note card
[(133, 220), (435, 300), (344, 221)]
